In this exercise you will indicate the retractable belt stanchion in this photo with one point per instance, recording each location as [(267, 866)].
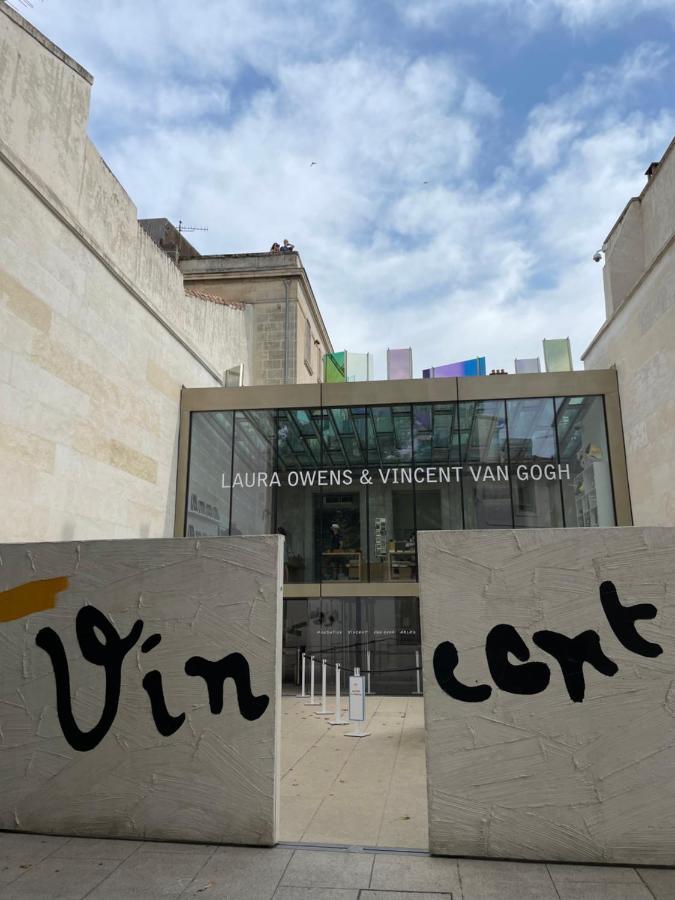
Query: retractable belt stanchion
[(303, 693), (338, 712), (312, 701), (357, 704), (323, 711), (417, 672)]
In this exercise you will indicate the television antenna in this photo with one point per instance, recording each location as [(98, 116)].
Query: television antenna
[(182, 228)]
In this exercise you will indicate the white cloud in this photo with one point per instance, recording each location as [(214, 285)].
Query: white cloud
[(410, 235), (554, 126), (534, 14)]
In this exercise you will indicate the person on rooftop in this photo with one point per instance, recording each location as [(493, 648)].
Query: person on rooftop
[(275, 248), (287, 247)]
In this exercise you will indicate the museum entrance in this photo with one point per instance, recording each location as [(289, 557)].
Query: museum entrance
[(336, 788)]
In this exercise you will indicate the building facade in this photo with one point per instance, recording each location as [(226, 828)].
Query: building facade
[(289, 337), (638, 338), (350, 472), (98, 330)]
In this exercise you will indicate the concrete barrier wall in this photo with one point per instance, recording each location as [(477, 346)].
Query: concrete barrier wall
[(140, 688), (549, 659)]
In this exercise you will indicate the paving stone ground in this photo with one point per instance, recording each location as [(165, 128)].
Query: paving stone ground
[(341, 790), (57, 868)]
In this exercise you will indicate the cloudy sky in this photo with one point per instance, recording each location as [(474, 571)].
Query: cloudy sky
[(471, 155)]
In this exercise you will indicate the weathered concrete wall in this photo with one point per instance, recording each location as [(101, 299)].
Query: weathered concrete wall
[(150, 753), (536, 774), (96, 333), (639, 339)]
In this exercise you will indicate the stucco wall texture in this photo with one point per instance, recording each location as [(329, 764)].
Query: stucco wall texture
[(211, 774), (540, 775), (97, 335)]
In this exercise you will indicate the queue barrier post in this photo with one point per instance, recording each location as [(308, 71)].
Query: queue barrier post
[(417, 672), (338, 712), (323, 711), (311, 701), (303, 693)]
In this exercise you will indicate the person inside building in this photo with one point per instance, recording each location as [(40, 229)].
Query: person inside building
[(335, 539), (335, 545), (287, 247)]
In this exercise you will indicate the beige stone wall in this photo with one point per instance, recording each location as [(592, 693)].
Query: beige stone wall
[(258, 280), (525, 769), (639, 339), (213, 774), (96, 333)]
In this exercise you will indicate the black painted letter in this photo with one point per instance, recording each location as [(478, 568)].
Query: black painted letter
[(109, 654), (166, 723), (233, 666), (572, 653), (446, 659), (529, 678), (622, 621)]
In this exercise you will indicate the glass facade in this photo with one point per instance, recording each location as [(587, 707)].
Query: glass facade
[(380, 635), (350, 487)]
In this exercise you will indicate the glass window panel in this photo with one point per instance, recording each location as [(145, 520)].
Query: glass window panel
[(391, 510), (483, 431), (582, 440), (439, 506), (399, 364), (390, 435), (535, 484), (487, 503), (254, 460), (344, 436), (208, 502), (341, 531), (381, 635)]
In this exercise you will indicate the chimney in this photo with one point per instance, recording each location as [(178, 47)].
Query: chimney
[(651, 168)]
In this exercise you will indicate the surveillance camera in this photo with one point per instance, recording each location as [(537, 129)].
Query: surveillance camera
[(597, 256)]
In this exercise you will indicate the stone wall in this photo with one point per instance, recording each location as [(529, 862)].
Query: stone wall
[(639, 339), (522, 761), (258, 279), (96, 333), (109, 739)]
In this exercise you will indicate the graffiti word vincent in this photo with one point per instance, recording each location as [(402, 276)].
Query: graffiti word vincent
[(569, 652), (109, 654)]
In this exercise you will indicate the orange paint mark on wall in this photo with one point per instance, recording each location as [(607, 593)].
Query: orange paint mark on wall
[(32, 597)]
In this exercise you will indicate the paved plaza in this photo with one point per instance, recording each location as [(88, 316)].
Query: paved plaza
[(35, 867), (340, 790)]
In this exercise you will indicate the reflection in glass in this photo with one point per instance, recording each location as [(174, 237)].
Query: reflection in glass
[(485, 482), (208, 503), (582, 440), (380, 632), (254, 457), (535, 485), (299, 450), (478, 464)]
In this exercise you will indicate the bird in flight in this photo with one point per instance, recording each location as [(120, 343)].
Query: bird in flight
[(312, 164)]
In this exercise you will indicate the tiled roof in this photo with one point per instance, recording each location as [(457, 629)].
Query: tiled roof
[(213, 298)]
